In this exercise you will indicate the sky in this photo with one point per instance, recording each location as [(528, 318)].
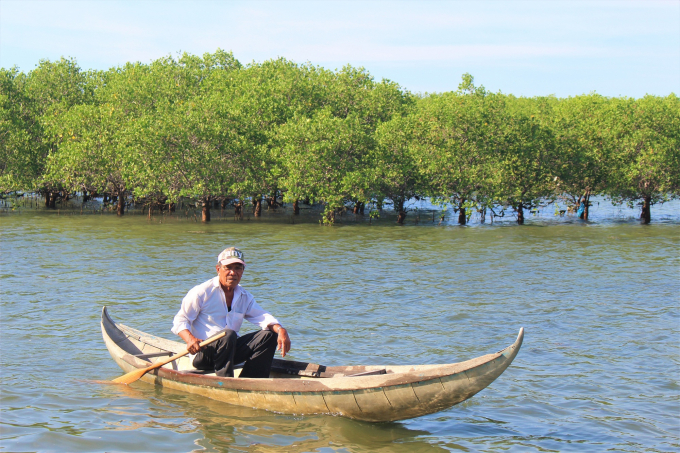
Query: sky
[(526, 48)]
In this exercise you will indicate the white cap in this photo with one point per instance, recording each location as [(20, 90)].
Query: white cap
[(231, 255)]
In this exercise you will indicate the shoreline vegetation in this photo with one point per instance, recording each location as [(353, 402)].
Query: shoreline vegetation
[(421, 212), (213, 135)]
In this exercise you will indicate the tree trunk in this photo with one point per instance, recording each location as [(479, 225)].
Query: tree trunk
[(462, 218), (361, 208), (121, 204), (238, 209), (52, 202), (258, 207), (520, 214), (205, 210), (271, 200), (296, 208), (646, 215), (587, 202), (86, 197), (399, 207), (172, 207)]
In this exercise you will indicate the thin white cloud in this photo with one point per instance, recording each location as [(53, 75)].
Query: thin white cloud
[(357, 52)]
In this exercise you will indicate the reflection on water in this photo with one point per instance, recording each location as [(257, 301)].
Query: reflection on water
[(598, 369), (224, 427)]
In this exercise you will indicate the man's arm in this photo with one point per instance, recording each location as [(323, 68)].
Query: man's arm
[(257, 315), (181, 324), (193, 343), (283, 340)]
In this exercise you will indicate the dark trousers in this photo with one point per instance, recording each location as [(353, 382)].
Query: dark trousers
[(256, 349)]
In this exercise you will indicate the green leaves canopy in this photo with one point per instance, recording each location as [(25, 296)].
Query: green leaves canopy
[(208, 127)]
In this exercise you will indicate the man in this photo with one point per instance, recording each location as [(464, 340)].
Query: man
[(222, 304)]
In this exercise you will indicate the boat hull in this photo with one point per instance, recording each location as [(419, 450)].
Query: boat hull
[(402, 392)]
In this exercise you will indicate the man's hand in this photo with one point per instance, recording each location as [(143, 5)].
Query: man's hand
[(193, 343), (283, 342)]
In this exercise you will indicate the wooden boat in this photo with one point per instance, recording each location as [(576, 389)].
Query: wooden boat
[(370, 393)]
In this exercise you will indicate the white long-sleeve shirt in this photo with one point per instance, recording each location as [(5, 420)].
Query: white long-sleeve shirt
[(204, 311)]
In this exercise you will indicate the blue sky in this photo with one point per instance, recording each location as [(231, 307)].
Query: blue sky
[(528, 48)]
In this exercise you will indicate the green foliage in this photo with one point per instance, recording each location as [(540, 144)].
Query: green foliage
[(585, 136), (458, 137), (323, 158), (393, 172), (523, 163), (30, 105), (645, 161), (207, 127), (19, 162)]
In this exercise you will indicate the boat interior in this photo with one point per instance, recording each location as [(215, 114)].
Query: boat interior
[(151, 349)]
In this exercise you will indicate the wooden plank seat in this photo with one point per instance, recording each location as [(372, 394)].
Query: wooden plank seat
[(368, 373), (153, 354)]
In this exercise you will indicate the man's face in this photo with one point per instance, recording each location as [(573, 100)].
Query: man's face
[(230, 275)]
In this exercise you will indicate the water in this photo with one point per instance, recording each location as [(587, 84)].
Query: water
[(599, 368)]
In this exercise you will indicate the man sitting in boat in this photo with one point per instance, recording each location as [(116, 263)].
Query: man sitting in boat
[(221, 304)]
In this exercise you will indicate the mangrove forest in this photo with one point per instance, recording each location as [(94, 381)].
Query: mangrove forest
[(224, 134)]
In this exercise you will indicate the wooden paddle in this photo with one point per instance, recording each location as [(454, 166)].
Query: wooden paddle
[(132, 376)]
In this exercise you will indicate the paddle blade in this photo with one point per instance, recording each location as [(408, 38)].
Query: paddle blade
[(131, 377)]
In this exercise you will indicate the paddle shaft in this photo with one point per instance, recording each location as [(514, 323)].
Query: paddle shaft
[(182, 354), (136, 374)]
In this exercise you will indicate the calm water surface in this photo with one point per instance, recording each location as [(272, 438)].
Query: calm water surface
[(599, 369)]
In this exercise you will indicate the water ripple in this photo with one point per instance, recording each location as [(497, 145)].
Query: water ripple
[(598, 369)]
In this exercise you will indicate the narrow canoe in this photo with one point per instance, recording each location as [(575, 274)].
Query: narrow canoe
[(369, 393)]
